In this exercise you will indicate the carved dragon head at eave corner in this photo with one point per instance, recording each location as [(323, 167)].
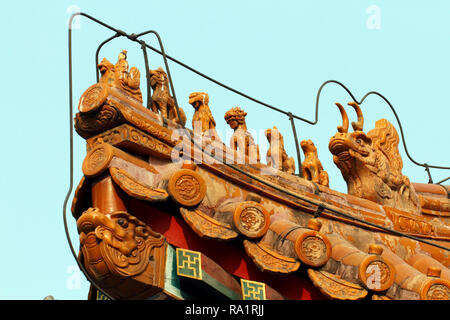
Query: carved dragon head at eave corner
[(119, 230), (121, 242)]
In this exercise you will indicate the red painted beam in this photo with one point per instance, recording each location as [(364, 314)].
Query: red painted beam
[(229, 256)]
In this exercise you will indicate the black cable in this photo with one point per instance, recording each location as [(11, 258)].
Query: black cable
[(443, 180), (392, 109), (297, 148), (283, 236), (319, 211), (147, 75), (98, 51)]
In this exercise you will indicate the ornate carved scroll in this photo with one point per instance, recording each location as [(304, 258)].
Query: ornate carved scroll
[(132, 139), (135, 188), (311, 246), (269, 260), (208, 227), (93, 98), (121, 252), (312, 167), (334, 287), (104, 118), (305, 244), (312, 249), (147, 124), (409, 223), (186, 187), (251, 219), (437, 289), (99, 158)]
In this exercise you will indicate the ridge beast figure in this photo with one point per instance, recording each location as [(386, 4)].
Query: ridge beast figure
[(371, 163), (119, 76), (312, 168), (276, 154), (241, 140), (202, 115), (162, 101)]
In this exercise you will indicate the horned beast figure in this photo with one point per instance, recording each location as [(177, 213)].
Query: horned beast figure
[(162, 101), (371, 163)]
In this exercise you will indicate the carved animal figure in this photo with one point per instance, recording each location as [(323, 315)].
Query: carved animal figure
[(241, 140), (202, 118), (162, 101), (130, 79), (117, 245), (118, 75), (312, 167), (276, 155), (371, 163)]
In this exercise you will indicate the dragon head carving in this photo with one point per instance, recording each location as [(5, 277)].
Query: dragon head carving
[(105, 66), (117, 244), (371, 163)]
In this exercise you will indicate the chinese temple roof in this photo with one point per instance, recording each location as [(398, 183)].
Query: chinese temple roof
[(167, 212)]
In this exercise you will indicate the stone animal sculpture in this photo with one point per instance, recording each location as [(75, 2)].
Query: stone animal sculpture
[(276, 155), (312, 167), (118, 75), (371, 163), (118, 246), (202, 119), (162, 101), (241, 140)]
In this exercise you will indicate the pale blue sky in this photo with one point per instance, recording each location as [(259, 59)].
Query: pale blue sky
[(277, 51)]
